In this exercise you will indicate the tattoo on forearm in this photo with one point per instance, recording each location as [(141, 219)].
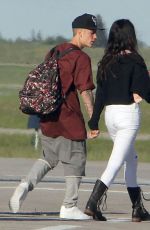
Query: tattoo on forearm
[(88, 100)]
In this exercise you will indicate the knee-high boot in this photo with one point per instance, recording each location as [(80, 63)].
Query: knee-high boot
[(139, 213), (92, 207)]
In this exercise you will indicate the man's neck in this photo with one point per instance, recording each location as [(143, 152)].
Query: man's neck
[(76, 42)]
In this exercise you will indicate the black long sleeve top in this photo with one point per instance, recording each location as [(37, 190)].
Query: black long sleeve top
[(128, 74)]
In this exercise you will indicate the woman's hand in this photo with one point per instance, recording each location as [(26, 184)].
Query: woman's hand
[(93, 134), (137, 98)]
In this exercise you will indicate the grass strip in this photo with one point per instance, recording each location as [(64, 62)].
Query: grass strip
[(97, 150)]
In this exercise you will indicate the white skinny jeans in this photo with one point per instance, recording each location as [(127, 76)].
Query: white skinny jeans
[(123, 123)]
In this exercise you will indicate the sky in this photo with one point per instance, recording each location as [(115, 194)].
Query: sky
[(19, 18)]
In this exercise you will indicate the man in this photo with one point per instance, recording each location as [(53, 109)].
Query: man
[(64, 133)]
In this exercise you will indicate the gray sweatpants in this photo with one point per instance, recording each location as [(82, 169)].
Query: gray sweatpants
[(72, 154)]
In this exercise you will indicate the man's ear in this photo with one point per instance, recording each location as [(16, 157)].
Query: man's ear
[(80, 32)]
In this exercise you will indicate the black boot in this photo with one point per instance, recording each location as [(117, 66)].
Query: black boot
[(139, 213), (92, 207)]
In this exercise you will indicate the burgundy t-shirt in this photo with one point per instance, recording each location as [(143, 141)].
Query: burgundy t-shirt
[(76, 75)]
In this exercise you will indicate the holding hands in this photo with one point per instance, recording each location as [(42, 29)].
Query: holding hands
[(93, 134), (137, 98)]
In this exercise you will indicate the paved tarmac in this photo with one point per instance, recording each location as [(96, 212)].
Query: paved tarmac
[(40, 210)]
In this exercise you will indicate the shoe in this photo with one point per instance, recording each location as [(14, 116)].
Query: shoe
[(139, 213), (73, 213), (18, 197), (95, 200)]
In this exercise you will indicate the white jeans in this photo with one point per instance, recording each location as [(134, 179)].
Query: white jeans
[(122, 122)]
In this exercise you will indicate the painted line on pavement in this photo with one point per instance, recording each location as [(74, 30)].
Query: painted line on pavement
[(59, 227), (39, 218), (63, 189), (118, 220)]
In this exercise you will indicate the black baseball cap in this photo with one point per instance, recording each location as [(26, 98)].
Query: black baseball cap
[(86, 21)]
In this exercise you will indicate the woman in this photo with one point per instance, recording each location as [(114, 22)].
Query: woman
[(122, 82)]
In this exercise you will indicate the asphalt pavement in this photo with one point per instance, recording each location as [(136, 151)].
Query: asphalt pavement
[(40, 210)]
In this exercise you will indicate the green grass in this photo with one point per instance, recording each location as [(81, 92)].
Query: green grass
[(13, 74), (11, 116), (12, 77), (100, 149), (17, 146), (97, 149), (145, 122), (23, 52)]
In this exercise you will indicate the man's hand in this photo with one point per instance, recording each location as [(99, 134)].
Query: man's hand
[(93, 134)]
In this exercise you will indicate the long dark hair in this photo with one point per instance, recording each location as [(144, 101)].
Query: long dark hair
[(121, 37)]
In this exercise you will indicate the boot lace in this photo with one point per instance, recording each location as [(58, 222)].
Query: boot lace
[(147, 199), (102, 202)]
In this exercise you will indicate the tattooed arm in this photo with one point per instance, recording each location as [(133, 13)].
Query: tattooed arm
[(88, 100)]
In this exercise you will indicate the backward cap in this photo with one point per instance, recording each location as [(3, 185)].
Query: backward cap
[(85, 21)]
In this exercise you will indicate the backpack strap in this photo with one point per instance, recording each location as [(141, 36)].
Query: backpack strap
[(63, 53), (56, 54)]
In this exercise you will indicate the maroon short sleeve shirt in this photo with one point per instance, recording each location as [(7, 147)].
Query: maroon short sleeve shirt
[(76, 76)]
